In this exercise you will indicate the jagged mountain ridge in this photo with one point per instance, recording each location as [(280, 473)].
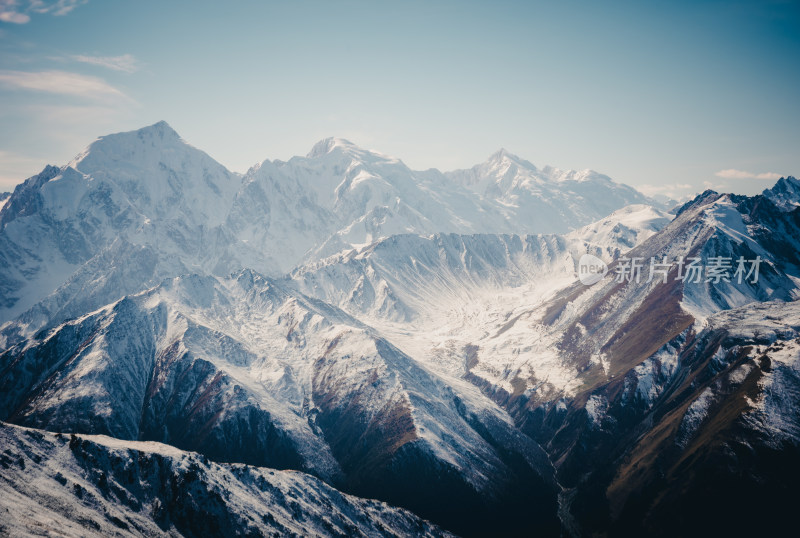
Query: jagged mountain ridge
[(98, 486), (785, 193), (549, 195), (503, 297), (651, 355), (150, 201)]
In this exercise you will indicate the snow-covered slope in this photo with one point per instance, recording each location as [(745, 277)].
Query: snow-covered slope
[(248, 370), (75, 485), (579, 367), (622, 230), (451, 299), (605, 329)]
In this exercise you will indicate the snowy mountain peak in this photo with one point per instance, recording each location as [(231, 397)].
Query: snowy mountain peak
[(558, 175), (327, 145), (699, 200), (504, 170), (501, 155), (786, 182), (625, 227), (148, 143), (785, 193), (505, 159), (343, 147), (161, 129), (160, 173)]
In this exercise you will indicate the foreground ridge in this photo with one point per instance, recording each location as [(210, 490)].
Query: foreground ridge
[(77, 485)]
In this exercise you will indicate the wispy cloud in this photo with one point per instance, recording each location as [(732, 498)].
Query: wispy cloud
[(9, 12), (60, 82), (732, 173), (57, 7), (126, 63), (18, 12)]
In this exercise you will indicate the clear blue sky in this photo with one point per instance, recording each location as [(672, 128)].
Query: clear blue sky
[(666, 96)]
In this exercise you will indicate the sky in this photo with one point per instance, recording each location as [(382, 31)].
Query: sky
[(669, 97)]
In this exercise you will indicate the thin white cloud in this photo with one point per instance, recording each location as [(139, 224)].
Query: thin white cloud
[(126, 63), (58, 8), (60, 82), (732, 173), (17, 12), (14, 17), (9, 12)]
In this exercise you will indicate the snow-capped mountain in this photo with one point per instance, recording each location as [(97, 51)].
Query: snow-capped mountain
[(341, 195), (417, 337), (252, 370), (546, 200), (159, 208), (785, 193), (130, 210)]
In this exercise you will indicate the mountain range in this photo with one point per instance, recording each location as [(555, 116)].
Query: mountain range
[(220, 354)]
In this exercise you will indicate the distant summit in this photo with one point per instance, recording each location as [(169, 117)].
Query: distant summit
[(785, 193), (326, 145)]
